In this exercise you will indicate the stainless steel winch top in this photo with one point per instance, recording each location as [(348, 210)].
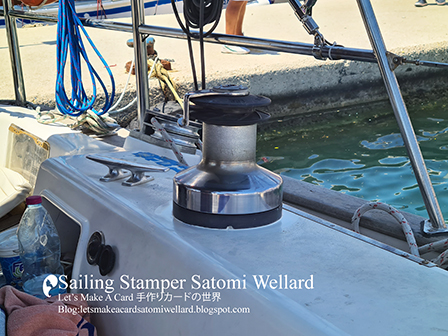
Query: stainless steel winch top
[(227, 188)]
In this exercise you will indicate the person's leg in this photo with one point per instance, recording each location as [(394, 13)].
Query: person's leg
[(234, 25), (234, 17)]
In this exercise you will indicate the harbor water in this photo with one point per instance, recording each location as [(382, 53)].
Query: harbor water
[(362, 154)]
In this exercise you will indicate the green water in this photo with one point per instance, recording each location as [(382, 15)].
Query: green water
[(364, 156)]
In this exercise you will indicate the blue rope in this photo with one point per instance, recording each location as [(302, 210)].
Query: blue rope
[(69, 40)]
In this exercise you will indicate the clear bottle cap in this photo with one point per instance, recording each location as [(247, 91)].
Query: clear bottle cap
[(35, 199)]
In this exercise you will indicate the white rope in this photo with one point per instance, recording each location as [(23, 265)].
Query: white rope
[(438, 246), (329, 50), (125, 107), (396, 214), (441, 260), (125, 87), (50, 117), (101, 125)]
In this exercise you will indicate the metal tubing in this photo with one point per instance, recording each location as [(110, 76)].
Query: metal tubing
[(141, 63), (402, 116), (333, 53), (14, 53)]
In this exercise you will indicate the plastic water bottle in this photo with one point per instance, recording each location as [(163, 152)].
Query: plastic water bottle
[(39, 249)]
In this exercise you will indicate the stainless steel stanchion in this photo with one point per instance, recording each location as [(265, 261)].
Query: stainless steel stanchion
[(14, 53), (141, 64), (437, 222)]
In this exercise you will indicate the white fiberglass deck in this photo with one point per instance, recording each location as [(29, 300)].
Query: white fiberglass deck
[(357, 288)]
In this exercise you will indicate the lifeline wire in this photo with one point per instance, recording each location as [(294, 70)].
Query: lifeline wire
[(69, 40)]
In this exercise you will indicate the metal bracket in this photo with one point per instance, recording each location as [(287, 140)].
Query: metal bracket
[(137, 178), (117, 166), (394, 60), (114, 175), (431, 229), (303, 13), (319, 43), (309, 24)]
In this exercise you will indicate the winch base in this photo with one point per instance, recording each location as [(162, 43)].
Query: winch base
[(220, 221)]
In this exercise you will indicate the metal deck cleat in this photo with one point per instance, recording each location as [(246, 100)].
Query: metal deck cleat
[(118, 167)]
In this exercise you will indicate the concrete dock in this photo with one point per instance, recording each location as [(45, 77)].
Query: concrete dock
[(306, 83)]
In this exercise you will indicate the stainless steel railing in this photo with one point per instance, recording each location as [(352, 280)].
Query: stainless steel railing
[(141, 65), (437, 222), (14, 53)]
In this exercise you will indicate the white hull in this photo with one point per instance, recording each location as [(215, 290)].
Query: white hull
[(348, 285)]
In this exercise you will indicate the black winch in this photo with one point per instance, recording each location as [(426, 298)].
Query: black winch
[(227, 188)]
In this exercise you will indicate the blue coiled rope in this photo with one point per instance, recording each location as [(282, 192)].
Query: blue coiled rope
[(69, 40)]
